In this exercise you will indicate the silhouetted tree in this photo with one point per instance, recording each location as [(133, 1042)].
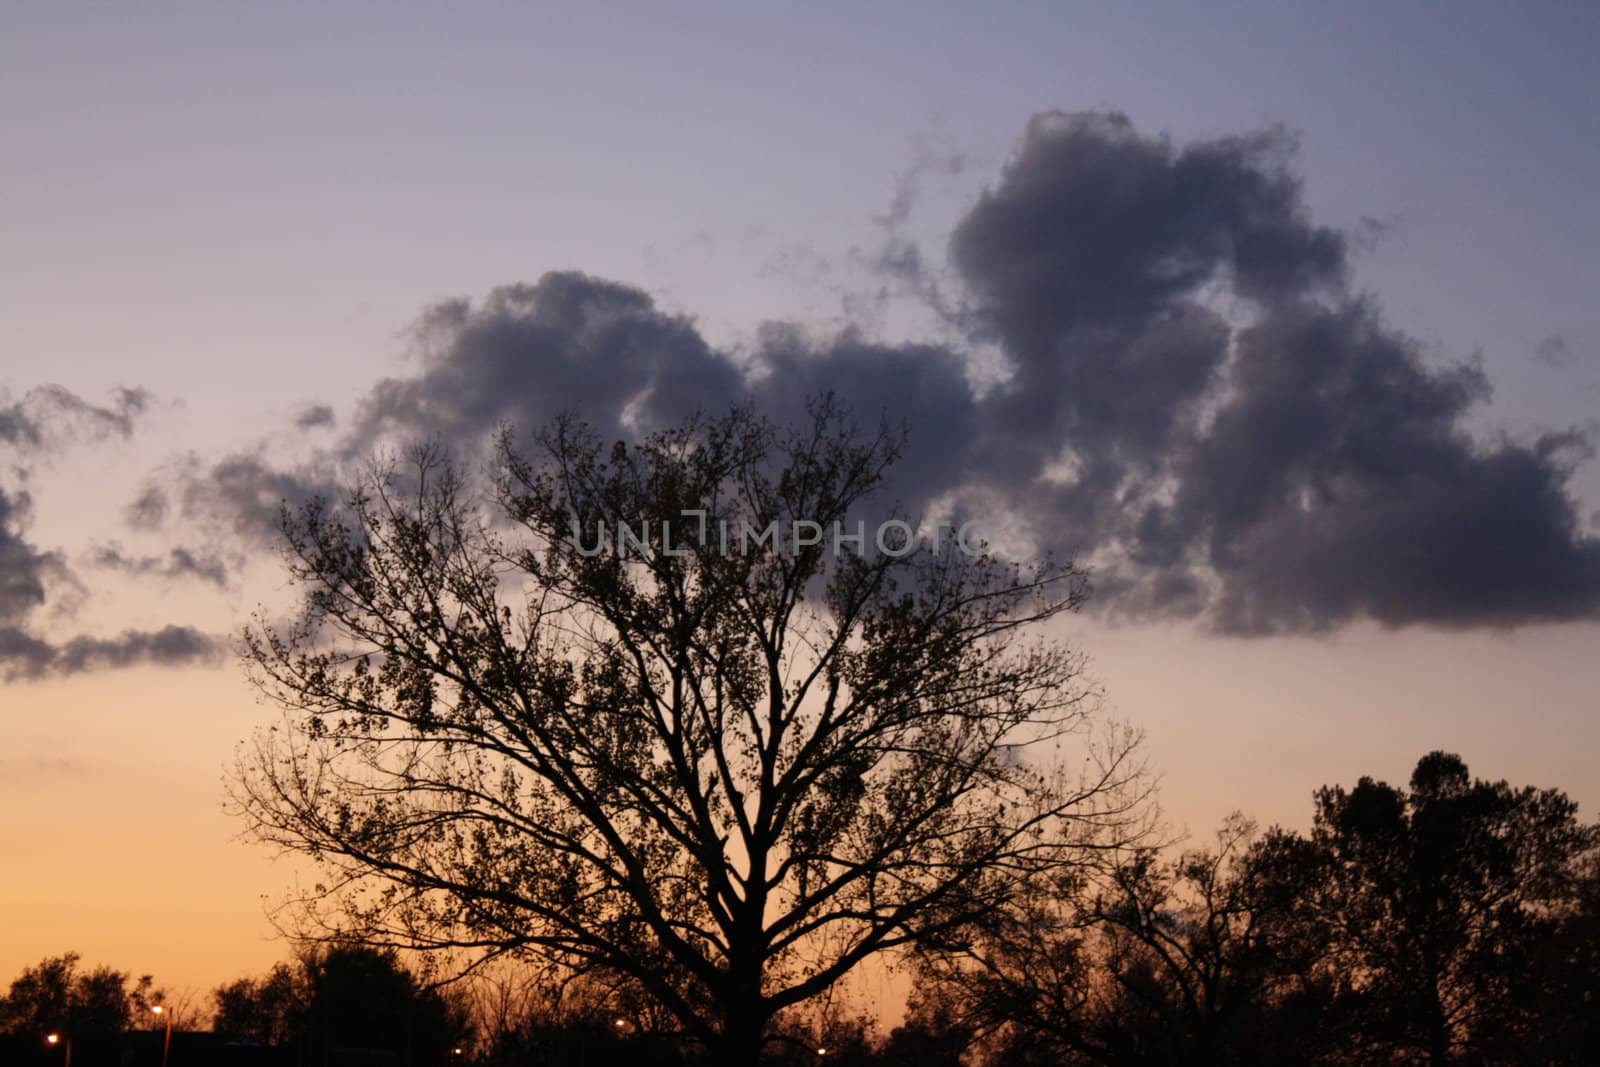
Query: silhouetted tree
[(1559, 999), (266, 1009), (926, 1038), (514, 1012), (839, 1039), (55, 995), (1454, 922), (550, 1019), (728, 774), (345, 996), (1139, 961), (1438, 904), (89, 1008)]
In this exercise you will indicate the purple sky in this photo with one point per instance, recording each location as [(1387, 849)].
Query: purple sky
[(244, 210)]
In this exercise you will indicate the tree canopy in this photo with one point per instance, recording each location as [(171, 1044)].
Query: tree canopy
[(634, 710), (343, 996), (1451, 922), (56, 995)]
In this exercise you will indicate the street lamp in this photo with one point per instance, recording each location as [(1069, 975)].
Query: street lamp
[(161, 1012), (54, 1039)]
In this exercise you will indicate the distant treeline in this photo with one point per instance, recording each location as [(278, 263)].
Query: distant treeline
[(1453, 921)]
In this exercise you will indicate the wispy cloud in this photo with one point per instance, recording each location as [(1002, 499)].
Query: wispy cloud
[(44, 422)]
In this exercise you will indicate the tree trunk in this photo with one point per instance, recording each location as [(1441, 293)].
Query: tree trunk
[(739, 1047), (743, 1036)]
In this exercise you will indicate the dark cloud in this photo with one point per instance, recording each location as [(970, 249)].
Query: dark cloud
[(1093, 224), (32, 579), (1338, 482), (1193, 399), (314, 417), (1292, 466), (148, 510), (179, 562), (235, 501), (44, 421), (24, 569), (24, 656), (925, 384), (567, 342), (170, 646), (50, 417), (528, 351), (245, 493)]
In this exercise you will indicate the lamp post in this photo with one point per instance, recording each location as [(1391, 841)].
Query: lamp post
[(160, 1010), (57, 1039)]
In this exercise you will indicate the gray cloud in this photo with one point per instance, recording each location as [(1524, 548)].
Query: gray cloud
[(1291, 468), (1338, 482), (245, 493), (50, 417), (1558, 351), (24, 656), (525, 353), (314, 416), (178, 562), (32, 430), (44, 421), (529, 351), (24, 568), (148, 510), (236, 500), (170, 646), (1194, 399)]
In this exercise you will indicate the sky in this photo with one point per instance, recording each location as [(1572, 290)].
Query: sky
[(1279, 318)]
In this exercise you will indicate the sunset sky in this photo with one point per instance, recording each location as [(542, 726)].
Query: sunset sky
[(1283, 322)]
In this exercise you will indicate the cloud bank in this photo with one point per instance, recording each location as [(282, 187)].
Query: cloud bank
[(1196, 401)]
